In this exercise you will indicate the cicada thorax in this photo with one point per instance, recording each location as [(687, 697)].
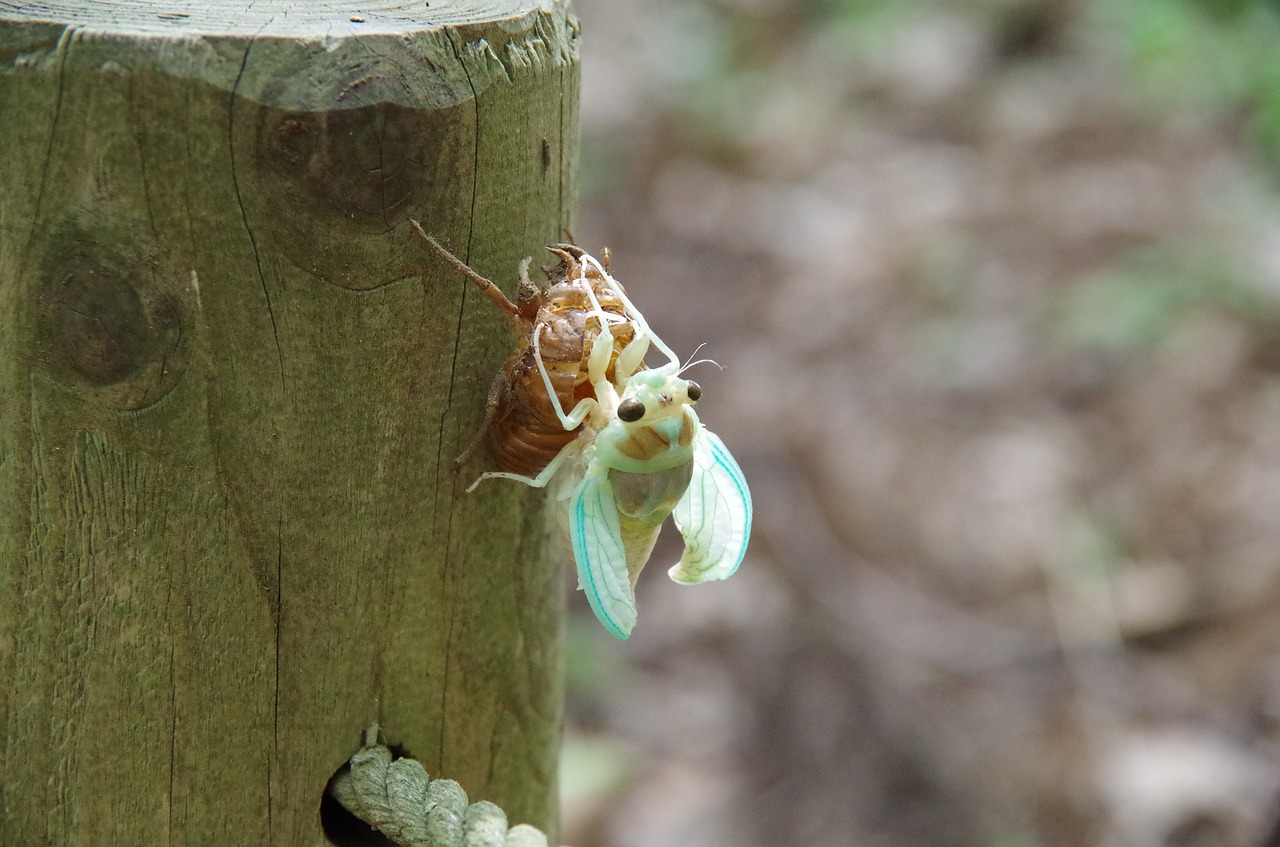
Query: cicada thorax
[(661, 445), (526, 432)]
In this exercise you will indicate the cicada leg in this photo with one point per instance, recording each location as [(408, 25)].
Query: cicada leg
[(544, 476), (714, 516), (645, 331), (490, 412), (491, 290), (630, 357), (588, 259), (574, 419), (526, 289)]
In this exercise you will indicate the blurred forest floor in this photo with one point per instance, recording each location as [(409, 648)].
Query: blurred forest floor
[(996, 288)]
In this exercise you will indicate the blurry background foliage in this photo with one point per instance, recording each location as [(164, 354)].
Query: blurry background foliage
[(996, 289)]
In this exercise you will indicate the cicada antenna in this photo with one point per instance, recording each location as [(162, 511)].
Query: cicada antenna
[(691, 363)]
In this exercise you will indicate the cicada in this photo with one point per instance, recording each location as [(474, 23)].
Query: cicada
[(631, 452), (643, 455)]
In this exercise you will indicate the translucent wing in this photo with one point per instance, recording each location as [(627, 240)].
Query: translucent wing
[(600, 555), (714, 516)]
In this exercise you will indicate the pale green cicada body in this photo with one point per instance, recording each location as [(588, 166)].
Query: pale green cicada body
[(654, 458), (640, 455)]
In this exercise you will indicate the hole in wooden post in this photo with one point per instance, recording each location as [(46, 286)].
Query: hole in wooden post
[(341, 827)]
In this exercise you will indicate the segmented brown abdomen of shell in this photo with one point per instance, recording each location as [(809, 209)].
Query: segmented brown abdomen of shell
[(526, 434)]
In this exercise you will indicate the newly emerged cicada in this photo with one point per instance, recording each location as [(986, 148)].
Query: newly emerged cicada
[(631, 450), (643, 455)]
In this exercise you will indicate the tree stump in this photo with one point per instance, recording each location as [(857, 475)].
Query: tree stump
[(232, 387)]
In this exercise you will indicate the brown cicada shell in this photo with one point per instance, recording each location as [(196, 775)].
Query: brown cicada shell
[(523, 428)]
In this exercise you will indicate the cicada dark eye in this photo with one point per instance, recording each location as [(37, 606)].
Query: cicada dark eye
[(694, 391), (630, 411)]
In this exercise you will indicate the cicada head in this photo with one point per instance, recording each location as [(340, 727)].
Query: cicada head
[(656, 394)]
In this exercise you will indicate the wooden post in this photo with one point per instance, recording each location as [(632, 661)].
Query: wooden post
[(232, 386)]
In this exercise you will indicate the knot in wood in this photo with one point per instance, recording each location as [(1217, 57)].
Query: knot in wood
[(100, 330), (350, 169), (356, 161), (100, 325), (109, 324)]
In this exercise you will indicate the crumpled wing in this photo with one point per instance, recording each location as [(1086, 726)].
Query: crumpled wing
[(714, 516), (600, 556)]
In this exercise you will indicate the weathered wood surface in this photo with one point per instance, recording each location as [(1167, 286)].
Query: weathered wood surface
[(231, 390)]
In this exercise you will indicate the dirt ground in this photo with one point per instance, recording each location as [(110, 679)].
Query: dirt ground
[(1001, 345)]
